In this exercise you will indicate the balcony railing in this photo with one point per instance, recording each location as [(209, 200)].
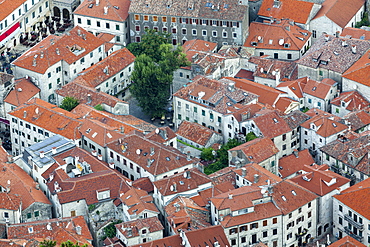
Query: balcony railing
[(301, 234), (350, 233), (354, 223)]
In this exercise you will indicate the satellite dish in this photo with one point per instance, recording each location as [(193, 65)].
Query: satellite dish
[(281, 41), (157, 131), (259, 37), (273, 72), (172, 188), (261, 69), (138, 151), (8, 182)]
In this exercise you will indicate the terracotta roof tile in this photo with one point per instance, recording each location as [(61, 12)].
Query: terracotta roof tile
[(355, 196), (199, 45), (23, 91), (207, 237), (161, 134), (9, 6), (268, 68), (358, 119), (164, 158), (335, 56), (360, 70), (324, 126), (257, 150), (319, 89), (196, 133), (107, 68), (253, 169), (216, 92), (117, 9), (333, 9), (320, 180), (354, 99), (299, 11), (137, 201), (143, 184), (10, 201), (46, 50), (174, 240), (347, 241), (49, 117), (295, 86), (178, 183), (268, 35), (60, 231), (293, 163), (271, 124), (152, 224)]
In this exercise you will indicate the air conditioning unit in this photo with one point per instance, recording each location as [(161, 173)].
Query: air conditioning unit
[(211, 120)]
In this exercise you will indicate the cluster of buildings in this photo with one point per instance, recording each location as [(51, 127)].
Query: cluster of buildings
[(292, 74)]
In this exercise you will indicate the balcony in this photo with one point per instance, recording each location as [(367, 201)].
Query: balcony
[(350, 233), (354, 223), (301, 234)]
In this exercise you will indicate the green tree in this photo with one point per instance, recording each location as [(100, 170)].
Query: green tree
[(69, 103), (149, 86), (207, 154), (110, 230), (156, 60), (222, 157), (99, 107), (69, 243), (250, 136), (48, 243)]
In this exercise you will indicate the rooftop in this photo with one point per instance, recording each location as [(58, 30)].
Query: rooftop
[(117, 9), (282, 34), (334, 54), (196, 133), (360, 70), (353, 101), (23, 91), (133, 228), (355, 196), (295, 162), (70, 48)]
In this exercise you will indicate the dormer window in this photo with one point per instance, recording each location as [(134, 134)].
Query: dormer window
[(286, 45), (254, 43), (324, 62)]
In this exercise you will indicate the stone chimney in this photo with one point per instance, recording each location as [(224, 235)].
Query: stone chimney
[(97, 2), (295, 152), (354, 49), (105, 10), (230, 196), (42, 154), (256, 178), (244, 172), (53, 150)]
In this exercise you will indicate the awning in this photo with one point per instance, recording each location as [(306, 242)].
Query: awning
[(10, 33)]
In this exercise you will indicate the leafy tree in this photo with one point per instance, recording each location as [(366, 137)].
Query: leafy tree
[(156, 60), (98, 107), (69, 243), (110, 231), (69, 103), (250, 136), (222, 157), (207, 154), (48, 243)]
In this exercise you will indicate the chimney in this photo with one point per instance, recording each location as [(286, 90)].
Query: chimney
[(188, 158), (256, 178), (174, 186), (100, 157), (337, 34), (57, 51), (37, 186), (354, 49), (41, 54), (53, 150), (244, 172), (97, 2), (34, 63), (88, 98), (105, 10), (79, 230), (151, 150), (7, 186), (52, 41), (24, 114), (344, 43), (42, 154), (230, 196), (295, 152), (232, 86), (122, 129), (188, 174), (10, 158)]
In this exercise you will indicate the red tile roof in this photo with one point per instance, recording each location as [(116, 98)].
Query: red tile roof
[(60, 231), (107, 68), (10, 201), (295, 86), (253, 169), (319, 89), (324, 126), (271, 124), (161, 134), (23, 91), (143, 184), (293, 163), (355, 33), (358, 119), (320, 180), (333, 9), (117, 10), (137, 201), (49, 117), (355, 196), (354, 98), (275, 35), (347, 241), (299, 11), (207, 237), (8, 7), (191, 179), (174, 240), (152, 224), (199, 45), (21, 184), (46, 50), (164, 158), (196, 133), (257, 150), (360, 70)]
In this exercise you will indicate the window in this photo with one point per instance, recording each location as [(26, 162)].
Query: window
[(173, 19), (309, 100), (117, 27), (314, 34), (309, 214), (340, 220), (254, 225), (107, 25), (174, 30), (98, 23), (204, 32), (284, 137), (224, 34), (309, 204), (137, 28), (50, 86), (276, 55), (194, 31), (214, 33), (88, 22), (244, 228), (233, 241), (79, 20), (274, 221), (183, 31), (235, 35), (243, 239), (340, 208), (29, 215), (179, 116), (284, 147), (264, 234), (195, 109), (6, 215), (203, 112), (146, 18), (37, 213), (164, 19), (73, 213)]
